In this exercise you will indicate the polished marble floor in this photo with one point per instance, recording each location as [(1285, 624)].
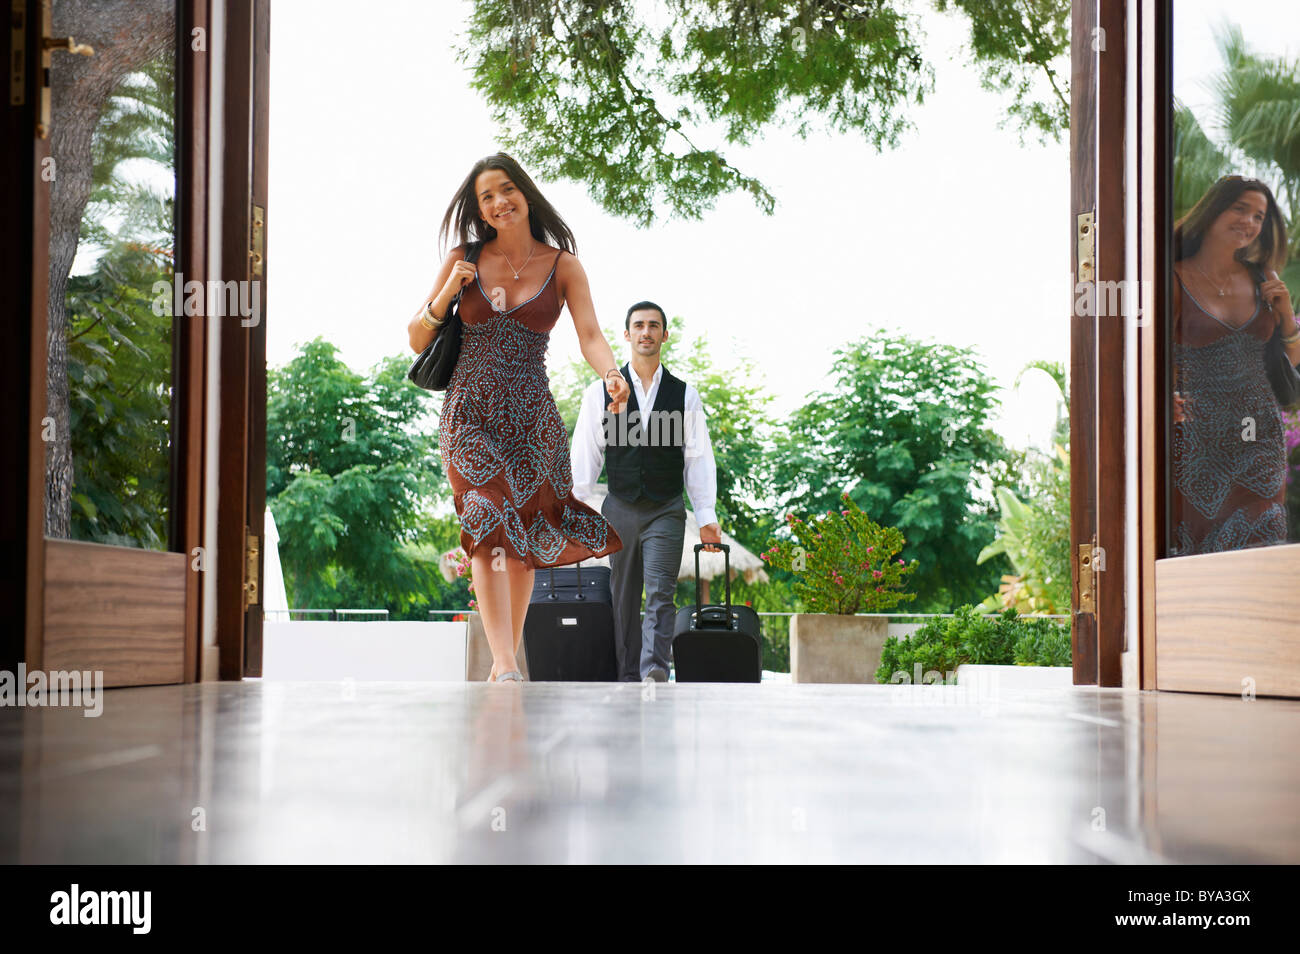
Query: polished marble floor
[(443, 772)]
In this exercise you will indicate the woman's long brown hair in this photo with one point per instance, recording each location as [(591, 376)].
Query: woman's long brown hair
[(462, 218), (1267, 250)]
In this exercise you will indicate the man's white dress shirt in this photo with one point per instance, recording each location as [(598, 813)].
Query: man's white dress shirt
[(587, 456)]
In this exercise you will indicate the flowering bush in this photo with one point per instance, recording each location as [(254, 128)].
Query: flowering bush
[(1291, 425), (843, 562), (466, 569)]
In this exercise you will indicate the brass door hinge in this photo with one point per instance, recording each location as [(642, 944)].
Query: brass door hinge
[(257, 247), (252, 552), (1083, 572), (1086, 245)]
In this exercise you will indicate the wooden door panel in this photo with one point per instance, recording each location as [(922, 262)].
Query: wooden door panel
[(118, 610), (1227, 617)]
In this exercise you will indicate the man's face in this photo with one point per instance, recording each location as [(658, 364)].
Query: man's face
[(645, 332)]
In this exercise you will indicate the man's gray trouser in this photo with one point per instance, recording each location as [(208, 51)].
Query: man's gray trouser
[(652, 532)]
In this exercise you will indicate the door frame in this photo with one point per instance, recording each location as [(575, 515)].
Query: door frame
[(208, 34), (1098, 452), (241, 487)]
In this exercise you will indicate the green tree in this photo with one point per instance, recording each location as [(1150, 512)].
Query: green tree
[(353, 477), (632, 104), (106, 109), (1257, 114), (905, 431), (116, 357), (119, 391), (1034, 522)]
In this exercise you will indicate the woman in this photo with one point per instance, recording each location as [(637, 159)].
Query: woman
[(1229, 449), (504, 447)]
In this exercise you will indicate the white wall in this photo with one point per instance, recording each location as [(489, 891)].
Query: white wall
[(411, 651)]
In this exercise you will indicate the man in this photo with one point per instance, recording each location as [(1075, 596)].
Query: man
[(658, 446)]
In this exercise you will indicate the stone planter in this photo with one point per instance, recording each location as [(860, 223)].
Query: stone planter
[(478, 657), (988, 680), (828, 648)]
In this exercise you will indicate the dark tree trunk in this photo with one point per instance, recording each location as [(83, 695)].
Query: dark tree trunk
[(125, 35)]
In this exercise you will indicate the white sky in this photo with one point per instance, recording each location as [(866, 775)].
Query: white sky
[(960, 235), (1270, 27)]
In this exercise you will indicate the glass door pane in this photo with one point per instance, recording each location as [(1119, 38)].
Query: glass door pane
[(1233, 481), (109, 429)]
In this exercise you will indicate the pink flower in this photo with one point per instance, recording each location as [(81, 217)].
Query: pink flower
[(471, 586), (869, 549), (844, 513), (876, 574), (473, 604), (901, 563)]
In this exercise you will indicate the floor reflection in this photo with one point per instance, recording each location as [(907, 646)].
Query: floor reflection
[(428, 772)]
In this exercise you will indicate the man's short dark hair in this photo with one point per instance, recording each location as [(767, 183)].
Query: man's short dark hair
[(642, 306)]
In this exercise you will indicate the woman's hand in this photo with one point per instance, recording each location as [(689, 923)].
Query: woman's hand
[(616, 387), (461, 272), (1278, 296), (1182, 411)]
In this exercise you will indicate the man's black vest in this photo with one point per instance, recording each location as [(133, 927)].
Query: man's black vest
[(645, 454)]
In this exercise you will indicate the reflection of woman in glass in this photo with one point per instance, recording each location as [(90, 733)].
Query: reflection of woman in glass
[(1229, 453)]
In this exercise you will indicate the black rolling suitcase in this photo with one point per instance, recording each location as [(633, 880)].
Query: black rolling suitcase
[(569, 629), (717, 643)]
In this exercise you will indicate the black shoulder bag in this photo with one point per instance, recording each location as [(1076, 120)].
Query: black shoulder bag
[(432, 369), (1282, 374)]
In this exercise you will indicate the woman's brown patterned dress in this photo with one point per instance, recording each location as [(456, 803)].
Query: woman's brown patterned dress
[(1229, 456), (503, 443)]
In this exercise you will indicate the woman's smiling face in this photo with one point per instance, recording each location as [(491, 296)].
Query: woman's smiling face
[(500, 203), (1240, 223)]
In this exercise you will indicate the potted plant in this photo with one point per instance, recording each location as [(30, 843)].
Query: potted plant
[(843, 564)]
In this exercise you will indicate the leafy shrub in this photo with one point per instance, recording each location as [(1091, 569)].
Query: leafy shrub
[(1043, 645), (941, 645)]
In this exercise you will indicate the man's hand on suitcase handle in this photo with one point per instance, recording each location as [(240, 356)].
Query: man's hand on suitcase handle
[(711, 533)]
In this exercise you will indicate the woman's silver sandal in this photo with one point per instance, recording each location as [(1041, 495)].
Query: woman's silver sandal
[(514, 675)]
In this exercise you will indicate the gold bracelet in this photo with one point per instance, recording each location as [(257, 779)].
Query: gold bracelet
[(1294, 336), (429, 319)]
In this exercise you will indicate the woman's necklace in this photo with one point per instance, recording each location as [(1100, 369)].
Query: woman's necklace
[(1203, 272), (530, 255)]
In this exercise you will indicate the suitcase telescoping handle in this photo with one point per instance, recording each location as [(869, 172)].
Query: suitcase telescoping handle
[(554, 596), (726, 575)]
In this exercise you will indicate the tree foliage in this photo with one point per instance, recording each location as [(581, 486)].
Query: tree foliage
[(1256, 129), (1019, 46), (905, 431), (636, 100), (119, 358), (352, 475)]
